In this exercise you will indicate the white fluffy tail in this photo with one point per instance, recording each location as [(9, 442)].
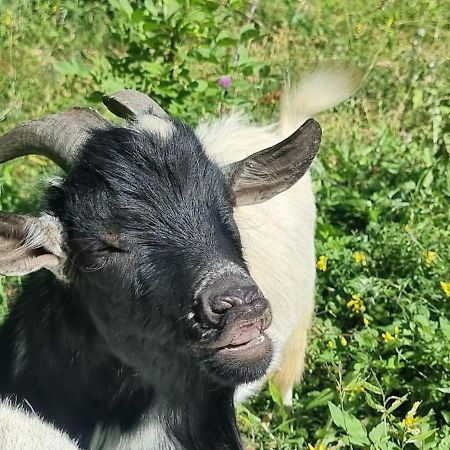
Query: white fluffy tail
[(317, 91)]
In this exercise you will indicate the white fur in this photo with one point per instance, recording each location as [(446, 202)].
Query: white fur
[(149, 435), (155, 124), (20, 430)]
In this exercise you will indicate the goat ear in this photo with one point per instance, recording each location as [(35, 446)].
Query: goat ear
[(261, 176), (28, 244)]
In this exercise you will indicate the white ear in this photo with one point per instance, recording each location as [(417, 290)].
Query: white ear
[(28, 244), (271, 171)]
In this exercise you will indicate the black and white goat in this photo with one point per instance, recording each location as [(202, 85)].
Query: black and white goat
[(152, 316)]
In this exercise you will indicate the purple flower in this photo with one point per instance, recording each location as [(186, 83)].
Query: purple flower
[(225, 81)]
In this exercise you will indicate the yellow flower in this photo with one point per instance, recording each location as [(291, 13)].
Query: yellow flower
[(409, 421), (317, 447), (396, 331), (55, 8), (410, 418), (446, 287), (387, 336), (360, 258), (389, 22), (330, 344), (322, 263), (343, 341), (366, 321), (359, 28), (356, 304), (430, 256), (407, 228), (8, 19)]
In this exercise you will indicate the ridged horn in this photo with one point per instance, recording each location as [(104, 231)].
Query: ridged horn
[(130, 104), (59, 137)]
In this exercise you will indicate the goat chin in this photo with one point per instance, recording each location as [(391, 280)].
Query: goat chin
[(278, 235), (20, 430)]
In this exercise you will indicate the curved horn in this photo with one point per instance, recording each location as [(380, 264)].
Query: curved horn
[(130, 104), (57, 136)]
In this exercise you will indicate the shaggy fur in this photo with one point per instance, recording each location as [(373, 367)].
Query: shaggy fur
[(20, 430)]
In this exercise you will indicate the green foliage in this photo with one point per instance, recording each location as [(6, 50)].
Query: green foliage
[(378, 366), (177, 51)]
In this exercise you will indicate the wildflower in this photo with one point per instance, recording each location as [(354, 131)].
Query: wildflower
[(360, 258), (366, 321), (356, 304), (446, 287), (343, 341), (430, 256), (410, 419), (322, 263), (225, 81), (387, 336), (8, 19), (317, 447), (330, 344), (359, 28), (55, 8), (390, 22), (407, 228)]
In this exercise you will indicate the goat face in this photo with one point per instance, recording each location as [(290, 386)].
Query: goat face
[(142, 228), (154, 250)]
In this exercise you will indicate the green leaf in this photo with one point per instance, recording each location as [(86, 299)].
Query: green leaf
[(417, 98), (446, 416), (320, 399), (397, 403), (171, 7), (355, 429), (428, 180), (152, 68), (373, 403), (123, 6), (275, 394), (202, 85), (378, 435), (372, 388), (225, 38), (248, 32), (445, 326), (420, 437)]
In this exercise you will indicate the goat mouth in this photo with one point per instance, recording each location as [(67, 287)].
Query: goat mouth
[(247, 347), (245, 338)]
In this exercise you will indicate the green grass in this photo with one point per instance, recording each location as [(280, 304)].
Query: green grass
[(382, 183)]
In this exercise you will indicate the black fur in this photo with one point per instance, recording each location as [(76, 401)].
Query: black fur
[(144, 216)]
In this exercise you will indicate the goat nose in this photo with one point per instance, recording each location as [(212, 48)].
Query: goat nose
[(216, 304)]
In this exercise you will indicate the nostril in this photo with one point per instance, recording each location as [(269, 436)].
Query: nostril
[(220, 305)]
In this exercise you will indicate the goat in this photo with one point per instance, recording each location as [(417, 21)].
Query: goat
[(152, 316)]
